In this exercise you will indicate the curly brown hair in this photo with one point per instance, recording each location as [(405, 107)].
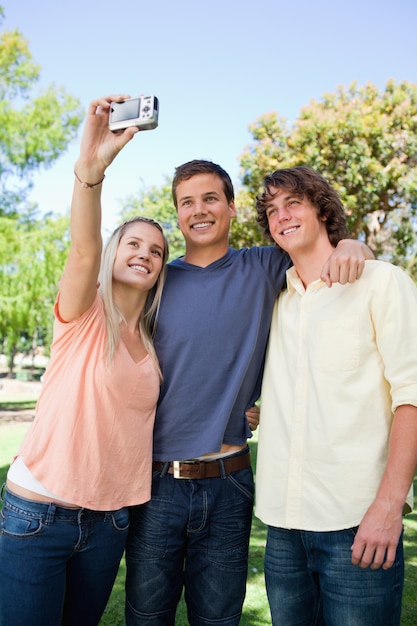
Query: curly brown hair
[(304, 182)]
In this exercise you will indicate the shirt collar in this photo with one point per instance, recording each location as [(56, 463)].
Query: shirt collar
[(294, 283)]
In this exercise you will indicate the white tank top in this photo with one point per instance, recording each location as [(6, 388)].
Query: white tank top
[(20, 475)]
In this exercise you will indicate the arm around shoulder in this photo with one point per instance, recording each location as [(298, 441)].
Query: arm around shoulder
[(347, 262)]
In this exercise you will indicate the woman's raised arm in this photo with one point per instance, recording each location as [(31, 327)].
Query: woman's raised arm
[(99, 147)]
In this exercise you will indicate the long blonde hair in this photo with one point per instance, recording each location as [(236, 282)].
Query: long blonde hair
[(148, 317)]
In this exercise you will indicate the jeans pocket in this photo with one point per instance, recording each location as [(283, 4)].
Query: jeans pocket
[(242, 481), (19, 524), (120, 519)]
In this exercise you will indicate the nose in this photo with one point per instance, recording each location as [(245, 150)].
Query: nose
[(199, 208), (144, 253), (283, 214)]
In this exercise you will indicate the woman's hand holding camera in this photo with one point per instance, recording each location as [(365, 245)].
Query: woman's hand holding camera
[(99, 146)]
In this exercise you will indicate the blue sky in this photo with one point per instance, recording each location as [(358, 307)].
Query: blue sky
[(215, 66)]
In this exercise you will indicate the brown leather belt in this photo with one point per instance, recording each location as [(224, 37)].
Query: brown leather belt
[(205, 469)]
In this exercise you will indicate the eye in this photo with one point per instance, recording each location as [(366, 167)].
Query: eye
[(157, 252), (271, 212), (132, 243)]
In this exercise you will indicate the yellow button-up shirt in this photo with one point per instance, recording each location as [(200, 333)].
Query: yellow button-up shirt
[(339, 362)]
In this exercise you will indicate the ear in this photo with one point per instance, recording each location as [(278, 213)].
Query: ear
[(232, 208)]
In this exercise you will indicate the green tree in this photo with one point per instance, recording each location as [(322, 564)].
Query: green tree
[(244, 229), (364, 141), (32, 258), (35, 128)]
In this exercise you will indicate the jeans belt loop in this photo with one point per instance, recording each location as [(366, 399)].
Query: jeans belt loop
[(222, 468), (50, 516), (165, 469)]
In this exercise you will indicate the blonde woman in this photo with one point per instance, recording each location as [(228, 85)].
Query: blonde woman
[(87, 455)]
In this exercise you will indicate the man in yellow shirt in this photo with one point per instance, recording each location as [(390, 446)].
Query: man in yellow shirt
[(338, 431)]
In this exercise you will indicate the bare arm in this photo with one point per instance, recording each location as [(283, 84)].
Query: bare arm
[(380, 529), (347, 262), (99, 147)]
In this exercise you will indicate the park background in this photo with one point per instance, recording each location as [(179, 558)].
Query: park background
[(250, 86), (215, 67), (253, 88)]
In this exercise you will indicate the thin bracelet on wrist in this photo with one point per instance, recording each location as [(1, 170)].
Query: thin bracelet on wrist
[(88, 185)]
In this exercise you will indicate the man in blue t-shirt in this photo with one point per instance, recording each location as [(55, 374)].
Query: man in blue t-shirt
[(212, 332)]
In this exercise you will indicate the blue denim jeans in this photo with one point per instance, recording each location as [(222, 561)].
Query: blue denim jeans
[(311, 581), (192, 533), (57, 565)]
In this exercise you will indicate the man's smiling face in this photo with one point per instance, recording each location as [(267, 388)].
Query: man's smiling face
[(293, 221), (203, 211)]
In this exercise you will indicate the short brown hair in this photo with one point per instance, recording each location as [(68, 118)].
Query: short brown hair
[(199, 166), (305, 182)]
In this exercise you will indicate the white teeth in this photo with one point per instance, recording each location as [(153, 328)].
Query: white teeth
[(201, 225), (140, 268), (289, 230)]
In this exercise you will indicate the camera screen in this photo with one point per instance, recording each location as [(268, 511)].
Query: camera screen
[(127, 110)]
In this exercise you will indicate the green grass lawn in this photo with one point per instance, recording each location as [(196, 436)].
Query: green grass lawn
[(255, 611)]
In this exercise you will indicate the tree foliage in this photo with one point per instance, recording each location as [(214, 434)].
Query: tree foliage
[(244, 229), (35, 128), (364, 141), (31, 262)]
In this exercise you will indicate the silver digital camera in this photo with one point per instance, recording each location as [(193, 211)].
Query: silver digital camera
[(141, 112)]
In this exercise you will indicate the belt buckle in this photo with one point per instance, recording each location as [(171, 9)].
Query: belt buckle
[(177, 470)]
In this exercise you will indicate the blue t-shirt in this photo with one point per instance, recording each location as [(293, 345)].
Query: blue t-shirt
[(211, 338)]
